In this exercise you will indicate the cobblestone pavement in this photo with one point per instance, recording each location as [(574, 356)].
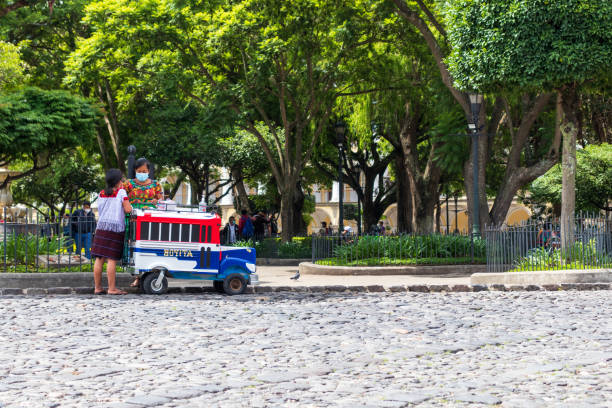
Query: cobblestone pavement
[(517, 349)]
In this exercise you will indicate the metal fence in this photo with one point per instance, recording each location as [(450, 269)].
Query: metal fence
[(400, 249), (38, 243), (535, 246)]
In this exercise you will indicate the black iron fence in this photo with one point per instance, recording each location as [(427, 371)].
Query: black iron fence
[(39, 243), (400, 249), (536, 246)]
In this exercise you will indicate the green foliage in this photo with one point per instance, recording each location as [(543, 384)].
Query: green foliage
[(297, 248), (12, 68), (22, 248), (528, 43), (408, 248), (71, 178), (593, 186), (385, 261), (578, 256), (36, 124), (45, 39)]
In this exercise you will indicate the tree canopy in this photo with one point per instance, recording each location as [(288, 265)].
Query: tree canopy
[(36, 125)]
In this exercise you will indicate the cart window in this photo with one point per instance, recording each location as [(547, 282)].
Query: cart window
[(176, 232), (203, 233), (144, 230), (154, 231), (185, 232), (195, 233), (165, 232), (208, 234)]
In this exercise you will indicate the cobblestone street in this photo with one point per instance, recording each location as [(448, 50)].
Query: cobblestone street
[(517, 349)]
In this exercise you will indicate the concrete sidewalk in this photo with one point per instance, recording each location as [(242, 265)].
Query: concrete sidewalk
[(279, 276)]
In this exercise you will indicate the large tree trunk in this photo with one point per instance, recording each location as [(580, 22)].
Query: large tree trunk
[(569, 131), (404, 201), (299, 226), (242, 198), (423, 184), (287, 212)]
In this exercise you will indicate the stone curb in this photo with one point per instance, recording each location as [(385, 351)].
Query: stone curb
[(309, 268), (329, 289)]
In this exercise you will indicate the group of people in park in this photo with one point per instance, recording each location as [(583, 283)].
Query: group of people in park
[(377, 229), (249, 227)]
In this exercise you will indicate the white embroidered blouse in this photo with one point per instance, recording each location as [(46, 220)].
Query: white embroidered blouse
[(111, 216)]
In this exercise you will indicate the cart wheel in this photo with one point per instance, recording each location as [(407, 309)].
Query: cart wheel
[(151, 287), (234, 284), (218, 285)]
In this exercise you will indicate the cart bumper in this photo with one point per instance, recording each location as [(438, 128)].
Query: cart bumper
[(254, 279)]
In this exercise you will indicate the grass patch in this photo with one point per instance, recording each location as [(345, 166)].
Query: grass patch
[(385, 261)]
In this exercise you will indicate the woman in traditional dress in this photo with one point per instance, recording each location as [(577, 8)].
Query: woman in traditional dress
[(142, 192), (108, 241)]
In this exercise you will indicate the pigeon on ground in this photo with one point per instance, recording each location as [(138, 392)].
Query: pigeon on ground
[(296, 276)]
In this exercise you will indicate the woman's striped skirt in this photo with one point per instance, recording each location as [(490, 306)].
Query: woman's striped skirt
[(108, 244)]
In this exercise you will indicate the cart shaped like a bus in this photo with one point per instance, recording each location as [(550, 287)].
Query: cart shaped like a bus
[(185, 244)]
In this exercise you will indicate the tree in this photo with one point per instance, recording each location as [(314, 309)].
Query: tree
[(8, 6), (186, 137), (37, 125), (276, 62), (370, 160), (550, 45), (427, 18), (245, 160), (593, 186), (69, 180), (12, 68)]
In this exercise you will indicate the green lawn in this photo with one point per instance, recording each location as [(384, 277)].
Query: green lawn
[(385, 261)]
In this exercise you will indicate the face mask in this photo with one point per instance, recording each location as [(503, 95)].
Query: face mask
[(87, 210), (142, 177)]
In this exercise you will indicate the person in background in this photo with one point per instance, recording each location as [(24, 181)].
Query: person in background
[(324, 229), (108, 241), (245, 226), (381, 228), (83, 224), (143, 193), (260, 223), (230, 232)]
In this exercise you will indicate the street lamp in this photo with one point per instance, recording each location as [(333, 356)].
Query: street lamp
[(340, 130), (357, 167), (475, 104)]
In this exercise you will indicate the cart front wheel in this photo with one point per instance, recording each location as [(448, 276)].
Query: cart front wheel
[(234, 284), (218, 286), (151, 287)]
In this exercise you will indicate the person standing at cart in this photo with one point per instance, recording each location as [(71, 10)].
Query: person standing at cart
[(142, 192), (108, 242), (83, 224)]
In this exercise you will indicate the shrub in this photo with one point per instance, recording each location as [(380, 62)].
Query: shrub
[(21, 246), (409, 247)]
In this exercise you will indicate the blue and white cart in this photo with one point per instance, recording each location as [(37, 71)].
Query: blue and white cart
[(185, 244)]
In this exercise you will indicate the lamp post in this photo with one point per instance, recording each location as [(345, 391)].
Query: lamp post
[(475, 104), (358, 174), (340, 129)]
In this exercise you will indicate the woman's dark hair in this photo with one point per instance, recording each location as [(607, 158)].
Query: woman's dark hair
[(113, 176), (142, 162)]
